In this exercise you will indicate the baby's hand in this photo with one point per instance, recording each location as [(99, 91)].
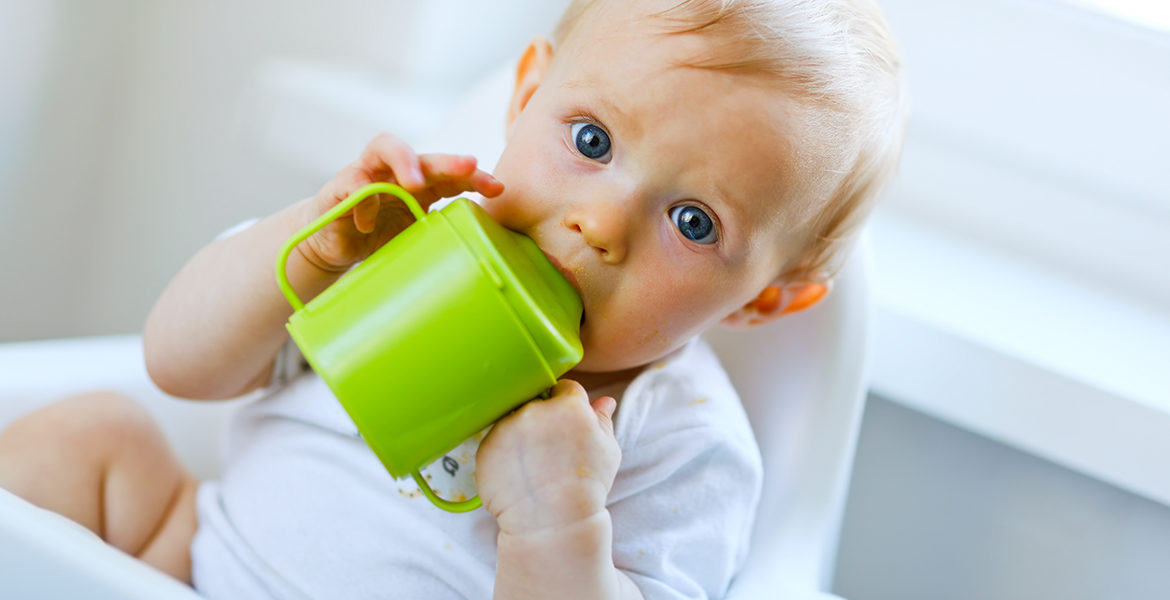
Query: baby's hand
[(380, 217), (549, 464)]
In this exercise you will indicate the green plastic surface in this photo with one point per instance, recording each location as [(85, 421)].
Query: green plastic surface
[(439, 333)]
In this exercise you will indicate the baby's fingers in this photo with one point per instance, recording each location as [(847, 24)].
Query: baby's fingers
[(485, 183), (450, 174), (365, 214), (387, 158), (443, 167)]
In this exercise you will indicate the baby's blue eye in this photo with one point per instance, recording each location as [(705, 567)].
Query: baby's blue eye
[(694, 223), (591, 140)]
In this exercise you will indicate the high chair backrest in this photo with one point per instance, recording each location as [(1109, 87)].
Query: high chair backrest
[(802, 380)]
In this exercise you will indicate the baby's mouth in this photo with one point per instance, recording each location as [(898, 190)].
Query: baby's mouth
[(571, 277)]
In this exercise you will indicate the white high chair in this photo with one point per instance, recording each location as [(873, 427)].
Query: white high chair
[(802, 380)]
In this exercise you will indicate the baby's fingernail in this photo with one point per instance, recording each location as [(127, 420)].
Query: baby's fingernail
[(418, 176)]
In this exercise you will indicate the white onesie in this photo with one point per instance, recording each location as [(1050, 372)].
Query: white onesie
[(304, 509)]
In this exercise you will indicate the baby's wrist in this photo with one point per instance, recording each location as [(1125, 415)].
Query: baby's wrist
[(573, 561), (584, 530), (552, 510)]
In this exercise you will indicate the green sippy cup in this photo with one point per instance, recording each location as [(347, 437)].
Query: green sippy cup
[(439, 333)]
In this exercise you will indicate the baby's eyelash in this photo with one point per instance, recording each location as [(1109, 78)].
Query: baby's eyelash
[(583, 117)]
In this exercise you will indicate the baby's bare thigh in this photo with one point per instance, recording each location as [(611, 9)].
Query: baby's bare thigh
[(101, 460)]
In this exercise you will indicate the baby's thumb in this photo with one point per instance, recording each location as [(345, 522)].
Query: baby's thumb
[(604, 407)]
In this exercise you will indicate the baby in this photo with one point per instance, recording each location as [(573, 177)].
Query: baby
[(682, 163)]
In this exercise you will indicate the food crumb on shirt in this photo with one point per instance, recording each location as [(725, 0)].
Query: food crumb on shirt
[(700, 400)]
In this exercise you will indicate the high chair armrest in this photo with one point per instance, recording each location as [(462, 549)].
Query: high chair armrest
[(36, 373), (45, 555)]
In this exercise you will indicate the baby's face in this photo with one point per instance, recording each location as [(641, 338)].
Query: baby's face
[(661, 192)]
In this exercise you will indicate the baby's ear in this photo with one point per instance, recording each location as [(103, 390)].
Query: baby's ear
[(529, 73), (779, 299)]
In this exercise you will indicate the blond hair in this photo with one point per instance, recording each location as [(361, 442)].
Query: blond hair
[(835, 56)]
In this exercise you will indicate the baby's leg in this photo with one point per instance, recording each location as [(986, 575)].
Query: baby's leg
[(100, 460)]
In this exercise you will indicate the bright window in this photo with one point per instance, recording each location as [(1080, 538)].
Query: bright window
[(1154, 14), (1043, 129)]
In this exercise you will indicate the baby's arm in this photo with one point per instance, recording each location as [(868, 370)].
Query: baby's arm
[(544, 472), (217, 327)]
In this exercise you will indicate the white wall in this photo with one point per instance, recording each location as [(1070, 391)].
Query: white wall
[(124, 158), (59, 73)]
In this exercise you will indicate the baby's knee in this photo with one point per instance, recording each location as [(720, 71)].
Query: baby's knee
[(104, 417), (96, 421)]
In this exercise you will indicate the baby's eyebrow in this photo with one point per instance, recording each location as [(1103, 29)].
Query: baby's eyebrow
[(591, 85)]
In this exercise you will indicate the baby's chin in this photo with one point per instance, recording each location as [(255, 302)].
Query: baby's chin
[(607, 354)]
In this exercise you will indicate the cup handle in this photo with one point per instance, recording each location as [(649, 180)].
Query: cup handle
[(456, 507), (329, 217)]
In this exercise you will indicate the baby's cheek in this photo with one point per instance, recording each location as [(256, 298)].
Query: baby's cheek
[(506, 209)]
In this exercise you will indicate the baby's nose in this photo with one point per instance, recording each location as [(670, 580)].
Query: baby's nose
[(604, 226)]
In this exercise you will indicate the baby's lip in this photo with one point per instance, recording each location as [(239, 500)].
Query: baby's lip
[(568, 274)]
